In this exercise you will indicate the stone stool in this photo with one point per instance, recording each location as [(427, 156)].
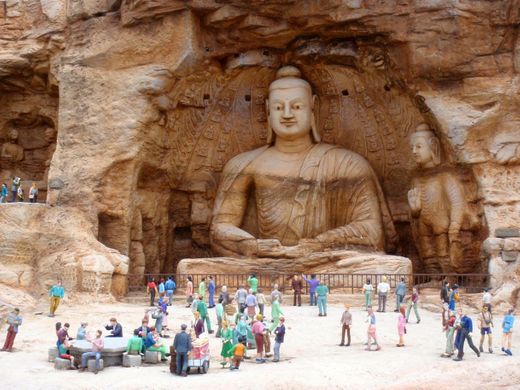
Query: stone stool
[(131, 360), (91, 365), (53, 354), (61, 364), (152, 357)]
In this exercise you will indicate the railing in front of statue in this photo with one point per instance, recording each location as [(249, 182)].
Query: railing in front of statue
[(345, 283)]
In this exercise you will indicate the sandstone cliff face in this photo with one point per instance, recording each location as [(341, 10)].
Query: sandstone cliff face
[(150, 98)]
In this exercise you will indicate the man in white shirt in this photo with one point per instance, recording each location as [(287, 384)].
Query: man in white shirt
[(382, 292)]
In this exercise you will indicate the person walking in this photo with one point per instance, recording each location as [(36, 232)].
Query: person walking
[(346, 322), (466, 329), (507, 332), (322, 291), (485, 324), (4, 193), (56, 293), (400, 292), (454, 297), (279, 333), (97, 346), (20, 194), (14, 320), (413, 302), (202, 309), (170, 287), (151, 289), (383, 288), (33, 193), (371, 331), (297, 287), (161, 289), (211, 292), (313, 284), (401, 326), (367, 290), (251, 304)]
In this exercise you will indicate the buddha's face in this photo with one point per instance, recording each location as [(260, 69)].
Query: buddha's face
[(422, 151), (290, 112)]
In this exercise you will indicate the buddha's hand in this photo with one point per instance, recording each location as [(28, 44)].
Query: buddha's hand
[(310, 245), (270, 248), (414, 200)]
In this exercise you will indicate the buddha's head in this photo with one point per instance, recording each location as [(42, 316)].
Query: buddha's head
[(290, 106), (426, 148)]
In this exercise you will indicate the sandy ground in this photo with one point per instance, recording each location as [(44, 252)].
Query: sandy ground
[(311, 357)]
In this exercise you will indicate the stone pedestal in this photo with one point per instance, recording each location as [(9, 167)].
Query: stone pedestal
[(131, 360), (339, 262), (61, 364), (91, 364), (52, 354), (152, 357)]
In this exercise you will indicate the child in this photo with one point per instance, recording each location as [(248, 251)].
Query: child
[(485, 323), (454, 297), (507, 329), (371, 331), (238, 353), (279, 339)]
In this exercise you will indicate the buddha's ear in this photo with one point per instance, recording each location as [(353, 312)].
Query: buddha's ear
[(314, 98), (270, 137)]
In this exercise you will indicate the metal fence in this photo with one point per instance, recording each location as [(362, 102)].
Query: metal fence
[(346, 283)]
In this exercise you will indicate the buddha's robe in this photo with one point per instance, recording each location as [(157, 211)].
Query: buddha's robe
[(328, 193)]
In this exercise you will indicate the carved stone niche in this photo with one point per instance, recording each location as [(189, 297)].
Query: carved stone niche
[(27, 145)]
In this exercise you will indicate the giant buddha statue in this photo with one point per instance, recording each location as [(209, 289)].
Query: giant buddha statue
[(298, 204)]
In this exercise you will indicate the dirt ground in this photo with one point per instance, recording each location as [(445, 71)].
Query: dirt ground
[(311, 357)]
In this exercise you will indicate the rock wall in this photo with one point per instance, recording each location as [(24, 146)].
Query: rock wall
[(151, 97)]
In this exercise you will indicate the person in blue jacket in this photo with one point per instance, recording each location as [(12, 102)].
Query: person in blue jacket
[(466, 328), (507, 332)]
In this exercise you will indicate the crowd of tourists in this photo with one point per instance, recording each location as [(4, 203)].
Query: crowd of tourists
[(17, 192), (242, 321)]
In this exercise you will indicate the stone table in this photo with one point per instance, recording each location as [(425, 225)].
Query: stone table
[(112, 353)]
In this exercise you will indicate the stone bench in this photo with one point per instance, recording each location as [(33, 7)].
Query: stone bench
[(61, 364), (91, 364), (152, 357), (52, 355), (131, 360)]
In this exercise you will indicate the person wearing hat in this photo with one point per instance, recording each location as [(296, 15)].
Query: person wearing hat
[(82, 332), (346, 322), (454, 297), (382, 292), (14, 320), (182, 346)]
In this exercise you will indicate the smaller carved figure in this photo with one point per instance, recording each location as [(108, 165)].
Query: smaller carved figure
[(440, 210), (11, 150)]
